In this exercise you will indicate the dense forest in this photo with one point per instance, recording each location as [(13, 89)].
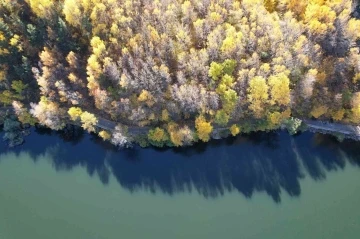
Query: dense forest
[(179, 68)]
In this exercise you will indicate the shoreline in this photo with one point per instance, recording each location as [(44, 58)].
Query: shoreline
[(338, 130), (347, 131)]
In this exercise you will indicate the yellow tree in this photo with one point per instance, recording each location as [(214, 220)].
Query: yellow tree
[(258, 95), (279, 89), (215, 70), (146, 96), (98, 46), (338, 115), (318, 110), (319, 18), (165, 115), (41, 7), (355, 109), (203, 128), (72, 12), (270, 5), (88, 121), (105, 135), (353, 28), (277, 118), (234, 130), (176, 136), (75, 113), (158, 137), (298, 7), (231, 42)]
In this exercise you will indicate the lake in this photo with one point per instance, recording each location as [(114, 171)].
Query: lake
[(267, 185)]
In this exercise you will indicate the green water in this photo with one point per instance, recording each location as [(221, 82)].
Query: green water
[(38, 202)]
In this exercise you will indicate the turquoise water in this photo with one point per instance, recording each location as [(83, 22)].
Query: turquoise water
[(252, 187)]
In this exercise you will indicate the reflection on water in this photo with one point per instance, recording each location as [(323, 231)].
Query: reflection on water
[(261, 162)]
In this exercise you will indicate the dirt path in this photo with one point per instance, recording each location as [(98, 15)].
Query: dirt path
[(110, 126), (350, 131)]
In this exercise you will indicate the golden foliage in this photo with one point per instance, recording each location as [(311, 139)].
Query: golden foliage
[(355, 109), (318, 111), (176, 136), (279, 89), (14, 41), (72, 12), (94, 67), (203, 128), (146, 96), (242, 59), (338, 115), (275, 118), (258, 95), (105, 135), (234, 130), (98, 46), (319, 18), (356, 78), (88, 121), (164, 115), (42, 8), (157, 135), (270, 5), (2, 74), (180, 136), (353, 28), (75, 113), (231, 41)]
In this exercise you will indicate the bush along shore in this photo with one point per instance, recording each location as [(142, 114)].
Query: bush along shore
[(127, 136)]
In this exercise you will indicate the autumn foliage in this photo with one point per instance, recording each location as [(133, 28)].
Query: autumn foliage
[(203, 128), (180, 66)]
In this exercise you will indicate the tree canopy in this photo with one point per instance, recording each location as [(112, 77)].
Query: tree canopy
[(180, 66)]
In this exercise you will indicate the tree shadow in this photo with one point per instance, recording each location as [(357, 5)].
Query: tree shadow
[(273, 162)]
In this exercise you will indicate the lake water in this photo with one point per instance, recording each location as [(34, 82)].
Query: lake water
[(273, 186)]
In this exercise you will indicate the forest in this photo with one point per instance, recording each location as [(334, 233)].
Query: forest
[(179, 69)]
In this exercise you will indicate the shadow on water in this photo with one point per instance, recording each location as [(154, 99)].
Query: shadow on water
[(260, 162)]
